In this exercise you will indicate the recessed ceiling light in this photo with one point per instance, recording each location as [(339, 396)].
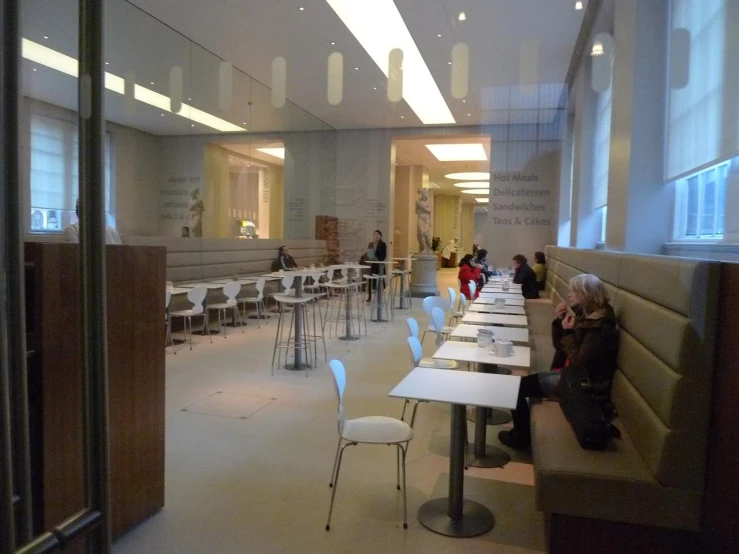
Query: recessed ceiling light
[(189, 99), (469, 115), (107, 63), (301, 8), (151, 83), (161, 114), (68, 65), (438, 34), (482, 199), (473, 185), (464, 101), (469, 176), (458, 152), (578, 5), (333, 43), (374, 88), (192, 125), (449, 63), (485, 192), (402, 117), (597, 49), (356, 69), (243, 122), (46, 37), (274, 152), (35, 69), (462, 16), (379, 28)]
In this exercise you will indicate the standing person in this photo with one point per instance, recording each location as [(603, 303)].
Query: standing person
[(588, 337), (376, 250), (446, 254), (285, 260), (525, 277), (469, 271), (72, 233), (540, 269)]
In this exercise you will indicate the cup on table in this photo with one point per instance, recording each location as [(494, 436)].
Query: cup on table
[(506, 285), (484, 338), (503, 348), (500, 303), (313, 266)]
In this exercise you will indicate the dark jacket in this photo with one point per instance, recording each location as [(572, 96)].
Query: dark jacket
[(287, 262), (526, 277), (380, 255), (592, 344)]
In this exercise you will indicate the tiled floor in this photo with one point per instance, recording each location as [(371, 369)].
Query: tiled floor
[(249, 456)]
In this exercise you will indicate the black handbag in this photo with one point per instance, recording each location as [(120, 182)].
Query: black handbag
[(584, 409)]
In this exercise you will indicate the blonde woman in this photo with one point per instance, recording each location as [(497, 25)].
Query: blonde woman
[(585, 334)]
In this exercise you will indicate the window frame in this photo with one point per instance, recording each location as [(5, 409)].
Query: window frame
[(684, 207)]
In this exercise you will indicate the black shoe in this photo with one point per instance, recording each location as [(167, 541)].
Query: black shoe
[(512, 440)]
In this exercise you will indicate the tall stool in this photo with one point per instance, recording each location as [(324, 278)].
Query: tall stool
[(349, 310), (300, 343), (375, 281)]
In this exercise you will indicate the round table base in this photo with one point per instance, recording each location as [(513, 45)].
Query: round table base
[(258, 317), (353, 337), (296, 367), (494, 457), (476, 519), (495, 417)]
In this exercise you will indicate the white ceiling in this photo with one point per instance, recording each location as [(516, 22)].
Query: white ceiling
[(251, 33)]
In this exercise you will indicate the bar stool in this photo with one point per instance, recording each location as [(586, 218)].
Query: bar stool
[(314, 337), (349, 309), (294, 343), (403, 277), (375, 281)]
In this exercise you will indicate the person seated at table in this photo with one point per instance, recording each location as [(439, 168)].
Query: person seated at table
[(525, 277), (540, 269), (586, 337), (482, 259), (376, 250), (469, 271), (72, 232), (446, 253), (285, 260)]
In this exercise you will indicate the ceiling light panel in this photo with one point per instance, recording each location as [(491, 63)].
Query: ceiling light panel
[(478, 192), (473, 185), (66, 64), (379, 28), (274, 152), (469, 176), (481, 200), (458, 152)]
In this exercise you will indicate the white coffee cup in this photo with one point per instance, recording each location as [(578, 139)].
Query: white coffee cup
[(506, 286), (484, 338), (503, 348), (500, 303)]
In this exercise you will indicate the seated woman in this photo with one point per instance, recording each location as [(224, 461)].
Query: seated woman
[(468, 272), (587, 337), (285, 260), (540, 269), (482, 259), (525, 277)]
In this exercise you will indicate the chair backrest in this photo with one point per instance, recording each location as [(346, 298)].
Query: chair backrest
[(260, 288), (462, 302), (167, 299), (452, 297), (416, 350), (431, 302), (437, 317), (197, 296), (231, 291), (473, 290), (287, 282), (412, 327), (339, 374)]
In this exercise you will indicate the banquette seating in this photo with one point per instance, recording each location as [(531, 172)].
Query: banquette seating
[(645, 493)]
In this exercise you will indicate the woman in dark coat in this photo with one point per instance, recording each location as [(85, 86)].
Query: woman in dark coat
[(376, 250)]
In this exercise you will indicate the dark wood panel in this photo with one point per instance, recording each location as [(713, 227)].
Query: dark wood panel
[(721, 506), (136, 282)]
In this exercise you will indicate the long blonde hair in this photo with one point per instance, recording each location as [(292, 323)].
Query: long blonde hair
[(594, 295)]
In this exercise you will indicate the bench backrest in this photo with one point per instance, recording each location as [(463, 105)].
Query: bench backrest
[(666, 308)]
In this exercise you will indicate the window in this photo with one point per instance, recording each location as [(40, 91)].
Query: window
[(701, 203), (55, 174), (603, 218), (602, 146)]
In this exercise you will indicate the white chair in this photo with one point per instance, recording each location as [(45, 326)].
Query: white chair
[(257, 300), (168, 338), (454, 314), (473, 291), (287, 284), (429, 303), (196, 297), (230, 291), (442, 331), (367, 430), (412, 326)]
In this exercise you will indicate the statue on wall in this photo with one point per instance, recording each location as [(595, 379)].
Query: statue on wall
[(197, 207), (423, 224)]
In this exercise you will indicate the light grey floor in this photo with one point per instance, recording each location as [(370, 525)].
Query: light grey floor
[(260, 484)]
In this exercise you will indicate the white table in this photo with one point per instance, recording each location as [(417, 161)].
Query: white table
[(505, 295), (179, 290), (514, 334), (494, 319), (454, 516), (487, 362), (493, 309), (209, 286), (482, 299)]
